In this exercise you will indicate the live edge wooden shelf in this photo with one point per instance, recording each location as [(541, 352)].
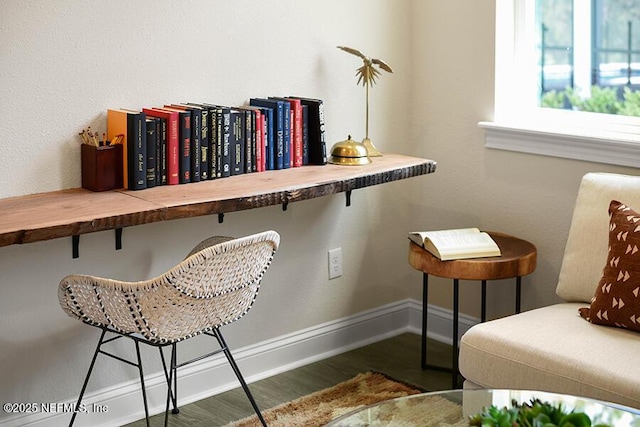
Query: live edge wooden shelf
[(77, 211)]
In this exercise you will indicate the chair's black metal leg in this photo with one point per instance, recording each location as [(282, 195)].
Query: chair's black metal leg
[(86, 380), (144, 391), (236, 370), (174, 357), (171, 377), (172, 381), (425, 301), (454, 358), (168, 377), (483, 312)]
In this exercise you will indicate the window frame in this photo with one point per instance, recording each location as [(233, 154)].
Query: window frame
[(519, 125)]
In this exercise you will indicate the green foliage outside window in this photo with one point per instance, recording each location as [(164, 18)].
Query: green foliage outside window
[(602, 100)]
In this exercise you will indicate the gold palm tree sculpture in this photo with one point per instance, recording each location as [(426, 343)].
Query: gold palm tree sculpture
[(367, 74)]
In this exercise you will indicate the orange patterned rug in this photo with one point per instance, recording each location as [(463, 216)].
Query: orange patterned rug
[(318, 408)]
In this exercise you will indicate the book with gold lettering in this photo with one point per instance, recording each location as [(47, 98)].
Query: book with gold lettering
[(184, 143), (172, 154), (316, 130), (131, 124)]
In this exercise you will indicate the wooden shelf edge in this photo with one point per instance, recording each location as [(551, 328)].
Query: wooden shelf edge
[(73, 212)]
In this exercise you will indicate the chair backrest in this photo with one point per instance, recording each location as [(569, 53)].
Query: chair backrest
[(212, 287), (587, 245)]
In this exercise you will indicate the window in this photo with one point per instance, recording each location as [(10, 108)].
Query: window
[(567, 79), (587, 58)]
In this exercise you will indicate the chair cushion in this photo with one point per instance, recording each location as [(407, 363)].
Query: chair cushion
[(617, 298), (574, 357), (586, 249)]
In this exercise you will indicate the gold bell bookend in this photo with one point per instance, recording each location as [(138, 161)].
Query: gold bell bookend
[(349, 153)]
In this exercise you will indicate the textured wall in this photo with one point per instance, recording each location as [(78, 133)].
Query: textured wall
[(526, 195), (64, 63)]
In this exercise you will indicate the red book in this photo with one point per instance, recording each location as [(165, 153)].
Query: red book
[(296, 134), (173, 155), (260, 148)]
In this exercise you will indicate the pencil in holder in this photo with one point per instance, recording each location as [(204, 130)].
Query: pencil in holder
[(101, 167)]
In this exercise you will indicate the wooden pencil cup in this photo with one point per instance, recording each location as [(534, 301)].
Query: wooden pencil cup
[(101, 167)]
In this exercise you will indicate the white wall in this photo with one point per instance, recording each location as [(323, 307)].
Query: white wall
[(64, 63), (526, 195)]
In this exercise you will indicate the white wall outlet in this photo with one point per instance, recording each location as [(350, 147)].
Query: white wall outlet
[(335, 263)]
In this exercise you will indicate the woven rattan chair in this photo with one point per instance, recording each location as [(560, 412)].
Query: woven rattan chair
[(215, 285)]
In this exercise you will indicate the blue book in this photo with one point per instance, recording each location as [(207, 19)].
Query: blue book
[(287, 134), (278, 127)]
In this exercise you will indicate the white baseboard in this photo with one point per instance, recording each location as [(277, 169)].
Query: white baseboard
[(123, 403)]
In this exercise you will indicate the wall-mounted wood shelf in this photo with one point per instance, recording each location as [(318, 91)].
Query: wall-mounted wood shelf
[(77, 211)]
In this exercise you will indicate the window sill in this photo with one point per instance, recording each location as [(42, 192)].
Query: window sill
[(622, 149)]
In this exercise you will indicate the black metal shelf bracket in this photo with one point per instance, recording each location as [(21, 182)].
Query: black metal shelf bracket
[(348, 194), (75, 243), (220, 218), (118, 239)]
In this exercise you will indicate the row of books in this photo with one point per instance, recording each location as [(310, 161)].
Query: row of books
[(192, 142)]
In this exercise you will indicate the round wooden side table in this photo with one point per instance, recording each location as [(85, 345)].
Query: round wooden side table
[(518, 258)]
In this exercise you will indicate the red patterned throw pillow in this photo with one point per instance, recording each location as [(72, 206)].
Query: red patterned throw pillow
[(617, 299)]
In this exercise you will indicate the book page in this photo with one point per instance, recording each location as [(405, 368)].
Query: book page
[(422, 236), (452, 232), (461, 242)]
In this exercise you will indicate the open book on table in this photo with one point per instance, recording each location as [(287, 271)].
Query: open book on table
[(459, 243)]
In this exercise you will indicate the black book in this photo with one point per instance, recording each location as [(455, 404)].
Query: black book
[(195, 140), (209, 140), (200, 140), (161, 153), (305, 134), (225, 153), (215, 149), (205, 143), (196, 127), (250, 160), (220, 154), (137, 150), (237, 142), (316, 130), (153, 128)]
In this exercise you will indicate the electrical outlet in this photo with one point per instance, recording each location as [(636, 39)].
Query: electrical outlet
[(335, 263)]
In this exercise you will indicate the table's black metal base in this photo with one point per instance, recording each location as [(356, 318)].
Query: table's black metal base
[(454, 337)]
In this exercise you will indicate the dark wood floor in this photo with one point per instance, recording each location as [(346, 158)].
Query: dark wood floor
[(398, 357)]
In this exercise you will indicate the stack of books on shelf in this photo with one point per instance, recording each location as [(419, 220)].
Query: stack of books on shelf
[(192, 142)]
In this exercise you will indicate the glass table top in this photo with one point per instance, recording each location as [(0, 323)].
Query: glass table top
[(454, 407)]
